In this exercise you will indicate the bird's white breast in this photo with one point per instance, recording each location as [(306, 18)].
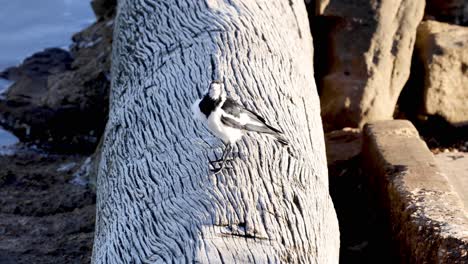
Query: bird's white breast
[(197, 114), (225, 133), (215, 125)]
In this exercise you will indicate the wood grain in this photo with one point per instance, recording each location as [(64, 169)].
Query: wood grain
[(157, 201)]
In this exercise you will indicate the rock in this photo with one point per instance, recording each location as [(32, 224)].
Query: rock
[(44, 216), (95, 160), (103, 8), (60, 99), (454, 165), (369, 49), (425, 216), (343, 144), (450, 11), (442, 50), (23, 108), (40, 65), (31, 76), (343, 149)]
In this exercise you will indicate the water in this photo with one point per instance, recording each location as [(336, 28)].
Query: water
[(28, 26), (4, 85), (7, 138)]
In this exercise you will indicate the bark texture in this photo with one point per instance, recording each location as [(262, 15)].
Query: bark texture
[(157, 201)]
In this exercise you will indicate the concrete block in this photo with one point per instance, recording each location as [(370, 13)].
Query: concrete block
[(426, 215)]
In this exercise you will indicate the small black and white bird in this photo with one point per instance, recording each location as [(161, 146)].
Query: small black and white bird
[(229, 121)]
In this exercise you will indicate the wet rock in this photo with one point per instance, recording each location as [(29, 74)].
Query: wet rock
[(92, 47), (442, 51), (60, 100), (31, 81), (40, 65), (450, 11), (32, 184), (44, 216), (368, 47)]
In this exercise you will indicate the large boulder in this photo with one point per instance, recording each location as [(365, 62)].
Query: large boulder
[(369, 47), (442, 50), (59, 98), (22, 109), (451, 11), (39, 65)]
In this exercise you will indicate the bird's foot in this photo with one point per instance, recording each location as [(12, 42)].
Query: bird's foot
[(216, 170), (220, 168), (212, 162)]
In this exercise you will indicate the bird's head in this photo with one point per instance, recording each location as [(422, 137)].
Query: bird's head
[(216, 90)]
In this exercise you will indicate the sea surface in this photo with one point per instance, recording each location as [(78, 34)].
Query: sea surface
[(29, 26)]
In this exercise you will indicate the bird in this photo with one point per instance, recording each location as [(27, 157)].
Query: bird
[(229, 121)]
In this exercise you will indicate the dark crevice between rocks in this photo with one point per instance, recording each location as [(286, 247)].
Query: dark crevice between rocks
[(364, 235), (447, 11), (321, 27), (438, 133), (410, 101)]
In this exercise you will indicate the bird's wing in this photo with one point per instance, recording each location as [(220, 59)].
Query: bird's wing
[(231, 107), (259, 119), (232, 122), (255, 116), (238, 116), (245, 123)]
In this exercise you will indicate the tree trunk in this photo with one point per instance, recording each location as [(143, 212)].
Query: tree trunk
[(157, 201)]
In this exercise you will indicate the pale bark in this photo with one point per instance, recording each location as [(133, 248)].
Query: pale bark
[(157, 201)]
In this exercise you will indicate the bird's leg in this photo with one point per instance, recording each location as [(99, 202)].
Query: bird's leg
[(219, 160), (226, 152), (212, 162)]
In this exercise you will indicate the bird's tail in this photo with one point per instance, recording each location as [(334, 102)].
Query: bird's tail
[(281, 139), (278, 134), (267, 129)]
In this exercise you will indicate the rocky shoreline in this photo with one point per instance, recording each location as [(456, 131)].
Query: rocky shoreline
[(59, 99), (46, 209), (57, 107)]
